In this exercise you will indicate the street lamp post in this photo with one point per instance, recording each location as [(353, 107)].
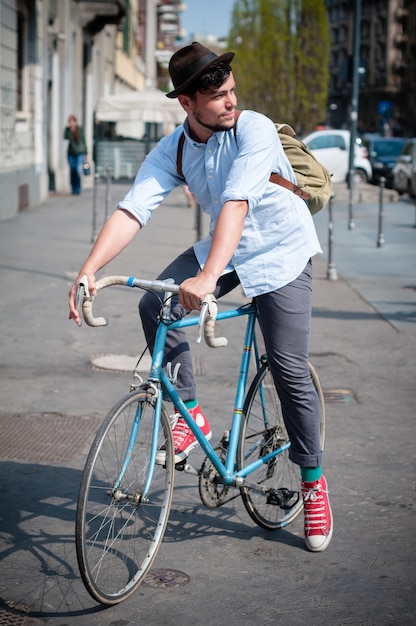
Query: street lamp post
[(151, 36), (354, 106)]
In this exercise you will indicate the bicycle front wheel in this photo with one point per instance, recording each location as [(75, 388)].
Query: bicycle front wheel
[(263, 430), (124, 500)]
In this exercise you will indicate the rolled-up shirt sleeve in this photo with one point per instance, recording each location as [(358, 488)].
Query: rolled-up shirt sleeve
[(154, 181)]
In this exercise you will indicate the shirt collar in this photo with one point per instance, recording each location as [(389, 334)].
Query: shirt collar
[(220, 135)]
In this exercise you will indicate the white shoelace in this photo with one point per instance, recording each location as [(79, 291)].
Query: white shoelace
[(180, 433), (315, 513)]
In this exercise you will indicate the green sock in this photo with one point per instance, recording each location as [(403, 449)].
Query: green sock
[(310, 474), (191, 404)]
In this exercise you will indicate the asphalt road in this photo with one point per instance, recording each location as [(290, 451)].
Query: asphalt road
[(215, 567)]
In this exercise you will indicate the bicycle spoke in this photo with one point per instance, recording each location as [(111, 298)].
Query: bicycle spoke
[(118, 531), (263, 431)]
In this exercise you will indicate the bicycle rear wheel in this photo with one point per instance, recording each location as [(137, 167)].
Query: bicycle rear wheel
[(119, 529), (263, 431)]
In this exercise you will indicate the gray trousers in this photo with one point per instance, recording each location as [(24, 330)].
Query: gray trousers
[(284, 316)]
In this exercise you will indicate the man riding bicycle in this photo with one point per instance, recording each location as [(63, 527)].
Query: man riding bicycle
[(261, 236)]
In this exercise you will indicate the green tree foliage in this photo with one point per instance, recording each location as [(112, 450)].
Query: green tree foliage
[(281, 65)]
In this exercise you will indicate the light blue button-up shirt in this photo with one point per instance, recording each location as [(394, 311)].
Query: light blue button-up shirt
[(279, 235)]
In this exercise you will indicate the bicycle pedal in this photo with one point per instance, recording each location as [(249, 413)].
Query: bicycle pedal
[(283, 498), (190, 469), (180, 466)]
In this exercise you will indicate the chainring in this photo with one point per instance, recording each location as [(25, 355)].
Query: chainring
[(212, 493)]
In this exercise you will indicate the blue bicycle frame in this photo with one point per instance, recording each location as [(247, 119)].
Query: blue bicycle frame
[(226, 471), (161, 384)]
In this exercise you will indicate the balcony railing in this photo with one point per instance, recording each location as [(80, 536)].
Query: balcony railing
[(95, 14)]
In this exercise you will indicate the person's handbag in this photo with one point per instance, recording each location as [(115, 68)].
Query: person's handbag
[(86, 169)]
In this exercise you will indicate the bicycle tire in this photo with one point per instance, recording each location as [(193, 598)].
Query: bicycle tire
[(279, 474), (117, 533)]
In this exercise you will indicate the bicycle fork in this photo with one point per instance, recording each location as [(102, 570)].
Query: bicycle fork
[(116, 492)]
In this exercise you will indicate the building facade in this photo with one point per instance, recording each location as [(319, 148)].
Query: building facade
[(387, 65), (57, 57)]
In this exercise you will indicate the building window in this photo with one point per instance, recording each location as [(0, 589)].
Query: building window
[(126, 29), (21, 60)]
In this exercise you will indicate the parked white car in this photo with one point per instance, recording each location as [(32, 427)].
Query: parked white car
[(404, 171), (332, 149)]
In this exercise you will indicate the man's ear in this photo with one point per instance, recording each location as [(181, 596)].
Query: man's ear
[(184, 101)]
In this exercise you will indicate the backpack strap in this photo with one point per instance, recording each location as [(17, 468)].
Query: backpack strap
[(179, 155), (287, 184)]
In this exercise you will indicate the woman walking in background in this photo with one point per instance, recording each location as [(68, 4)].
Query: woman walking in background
[(77, 148)]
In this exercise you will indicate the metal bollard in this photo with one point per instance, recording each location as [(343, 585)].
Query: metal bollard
[(94, 208), (332, 271), (107, 192), (351, 182), (380, 239), (198, 222)]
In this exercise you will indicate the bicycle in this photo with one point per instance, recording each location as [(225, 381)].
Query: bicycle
[(125, 496)]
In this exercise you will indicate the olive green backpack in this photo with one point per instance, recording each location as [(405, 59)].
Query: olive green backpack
[(312, 178), (314, 183)]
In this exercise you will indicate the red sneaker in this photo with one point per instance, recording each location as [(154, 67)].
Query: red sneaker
[(318, 515), (183, 438)]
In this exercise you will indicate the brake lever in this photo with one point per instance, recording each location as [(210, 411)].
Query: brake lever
[(83, 293), (201, 323)]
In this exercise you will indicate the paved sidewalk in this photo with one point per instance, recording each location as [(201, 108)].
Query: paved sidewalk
[(384, 275), (53, 398)]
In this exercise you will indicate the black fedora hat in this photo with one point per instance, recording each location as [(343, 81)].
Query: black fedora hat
[(188, 63)]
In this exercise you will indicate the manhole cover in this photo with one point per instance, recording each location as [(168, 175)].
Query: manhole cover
[(9, 618), (166, 578), (121, 363), (126, 363), (12, 617), (45, 437), (338, 396)]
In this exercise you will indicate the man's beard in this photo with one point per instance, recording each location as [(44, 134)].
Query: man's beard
[(216, 127)]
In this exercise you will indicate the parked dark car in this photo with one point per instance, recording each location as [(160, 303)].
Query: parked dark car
[(383, 153), (404, 171)]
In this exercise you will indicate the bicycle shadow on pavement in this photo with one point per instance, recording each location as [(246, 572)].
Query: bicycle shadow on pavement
[(38, 569), (39, 575), (190, 520)]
